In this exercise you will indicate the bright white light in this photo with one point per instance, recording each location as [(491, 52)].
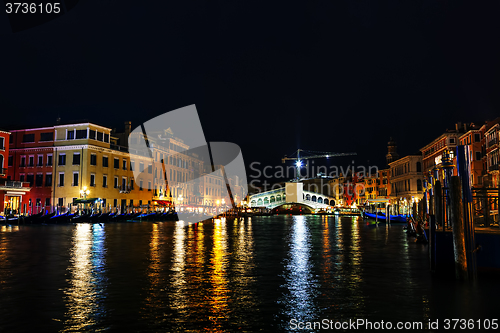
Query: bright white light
[(298, 163)]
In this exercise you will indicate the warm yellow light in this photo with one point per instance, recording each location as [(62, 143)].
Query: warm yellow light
[(218, 202), (85, 188)]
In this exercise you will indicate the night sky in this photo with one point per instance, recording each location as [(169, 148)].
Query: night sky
[(270, 76)]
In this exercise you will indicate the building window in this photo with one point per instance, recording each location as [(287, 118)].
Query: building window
[(141, 167), (60, 202), (21, 177), (452, 141), (93, 159), (105, 161), (116, 163), (115, 202), (132, 165), (62, 159), (47, 136), (106, 138), (2, 143), (419, 185), (61, 179), (70, 135), (477, 137), (92, 134), (47, 202), (99, 136), (76, 158), (30, 178), (149, 186), (92, 179), (81, 134), (124, 164), (116, 182), (23, 162), (478, 155), (49, 160), (10, 161), (31, 161), (150, 169), (140, 185), (76, 177), (40, 160), (124, 183), (28, 138), (104, 181), (131, 184), (48, 180), (39, 180)]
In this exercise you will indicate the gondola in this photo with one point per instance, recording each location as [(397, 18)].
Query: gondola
[(381, 217), (81, 218)]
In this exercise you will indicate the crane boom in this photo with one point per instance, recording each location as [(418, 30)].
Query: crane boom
[(314, 154)]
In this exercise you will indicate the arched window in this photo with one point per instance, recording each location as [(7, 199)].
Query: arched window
[(273, 199), (320, 200), (326, 202), (278, 197), (313, 198), (308, 197), (259, 202), (266, 200), (252, 203)]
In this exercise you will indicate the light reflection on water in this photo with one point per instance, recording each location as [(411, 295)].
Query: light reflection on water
[(300, 281), (87, 278), (221, 276)]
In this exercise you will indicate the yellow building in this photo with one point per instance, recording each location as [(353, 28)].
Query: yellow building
[(86, 158)]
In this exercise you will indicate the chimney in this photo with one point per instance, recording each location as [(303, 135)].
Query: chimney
[(128, 127), (458, 126)]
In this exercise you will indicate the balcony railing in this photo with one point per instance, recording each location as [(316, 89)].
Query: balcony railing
[(14, 184), (492, 142), (493, 167)]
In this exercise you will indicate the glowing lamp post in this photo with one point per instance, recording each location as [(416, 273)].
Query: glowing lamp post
[(84, 193)]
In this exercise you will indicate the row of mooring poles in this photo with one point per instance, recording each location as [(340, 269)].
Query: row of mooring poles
[(459, 212)]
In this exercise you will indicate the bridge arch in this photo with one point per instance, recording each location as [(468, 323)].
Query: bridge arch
[(278, 197), (320, 200), (266, 200), (308, 197), (313, 198), (273, 199), (259, 202), (325, 201)]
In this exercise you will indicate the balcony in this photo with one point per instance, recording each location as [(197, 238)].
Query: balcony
[(492, 142), (14, 184), (493, 167)]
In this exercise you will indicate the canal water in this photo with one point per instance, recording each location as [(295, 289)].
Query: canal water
[(256, 274)]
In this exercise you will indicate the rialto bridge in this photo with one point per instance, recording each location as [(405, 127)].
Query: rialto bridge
[(292, 193)]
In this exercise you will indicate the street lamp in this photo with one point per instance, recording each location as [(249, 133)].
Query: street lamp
[(84, 192)]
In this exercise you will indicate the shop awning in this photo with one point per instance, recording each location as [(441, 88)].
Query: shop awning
[(84, 201)]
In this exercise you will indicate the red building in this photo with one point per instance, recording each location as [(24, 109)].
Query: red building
[(14, 195), (31, 160)]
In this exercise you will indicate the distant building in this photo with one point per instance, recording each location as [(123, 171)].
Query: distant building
[(406, 181), (392, 154)]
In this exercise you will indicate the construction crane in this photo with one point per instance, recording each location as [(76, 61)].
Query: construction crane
[(309, 154)]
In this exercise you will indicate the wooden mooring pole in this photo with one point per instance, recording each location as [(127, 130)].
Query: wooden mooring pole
[(461, 215)]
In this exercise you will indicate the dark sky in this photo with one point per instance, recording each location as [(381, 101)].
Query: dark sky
[(271, 76)]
